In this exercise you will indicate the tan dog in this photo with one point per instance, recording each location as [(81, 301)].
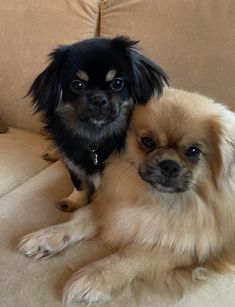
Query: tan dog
[(166, 206)]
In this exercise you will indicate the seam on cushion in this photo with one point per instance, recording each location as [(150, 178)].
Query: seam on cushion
[(32, 133), (26, 179), (28, 131), (40, 132), (98, 22), (101, 16)]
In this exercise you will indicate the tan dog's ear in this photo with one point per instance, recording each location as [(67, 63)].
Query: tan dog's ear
[(227, 119)]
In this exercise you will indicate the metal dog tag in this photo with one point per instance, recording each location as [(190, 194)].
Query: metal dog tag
[(94, 157)]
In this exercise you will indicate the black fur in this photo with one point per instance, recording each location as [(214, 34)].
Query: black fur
[(76, 122)]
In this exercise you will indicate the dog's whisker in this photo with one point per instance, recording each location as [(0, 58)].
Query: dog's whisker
[(194, 185)]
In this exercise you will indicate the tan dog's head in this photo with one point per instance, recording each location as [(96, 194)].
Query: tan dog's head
[(182, 141)]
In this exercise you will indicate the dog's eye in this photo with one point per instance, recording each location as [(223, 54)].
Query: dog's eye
[(76, 86), (193, 152), (148, 142), (117, 84)]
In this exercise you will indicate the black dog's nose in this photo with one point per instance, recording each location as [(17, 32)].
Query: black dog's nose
[(100, 100), (170, 168)]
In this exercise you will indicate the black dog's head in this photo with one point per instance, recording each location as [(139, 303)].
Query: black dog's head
[(91, 86)]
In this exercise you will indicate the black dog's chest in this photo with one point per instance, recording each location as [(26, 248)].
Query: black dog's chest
[(91, 161), (88, 159)]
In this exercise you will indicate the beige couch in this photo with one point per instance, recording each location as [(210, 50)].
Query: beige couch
[(194, 40)]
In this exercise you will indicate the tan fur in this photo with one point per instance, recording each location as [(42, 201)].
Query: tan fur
[(52, 240), (51, 153), (110, 75), (172, 238), (82, 75), (75, 200)]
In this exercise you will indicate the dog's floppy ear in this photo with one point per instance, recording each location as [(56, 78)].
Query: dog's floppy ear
[(147, 76), (228, 136), (46, 89)]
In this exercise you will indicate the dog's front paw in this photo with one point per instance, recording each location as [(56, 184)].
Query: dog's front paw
[(88, 286), (51, 154), (44, 243), (77, 199), (66, 205)]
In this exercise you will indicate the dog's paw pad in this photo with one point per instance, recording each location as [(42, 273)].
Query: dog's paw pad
[(33, 246), (43, 251)]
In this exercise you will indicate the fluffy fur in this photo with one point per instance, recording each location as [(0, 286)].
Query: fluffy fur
[(86, 95), (171, 222)]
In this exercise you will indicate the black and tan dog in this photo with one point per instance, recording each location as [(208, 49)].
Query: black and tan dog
[(86, 95)]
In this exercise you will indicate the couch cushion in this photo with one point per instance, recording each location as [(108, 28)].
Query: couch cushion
[(27, 282), (20, 157), (193, 40), (29, 31), (31, 206)]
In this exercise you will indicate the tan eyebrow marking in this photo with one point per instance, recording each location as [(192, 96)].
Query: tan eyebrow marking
[(82, 75), (110, 75)]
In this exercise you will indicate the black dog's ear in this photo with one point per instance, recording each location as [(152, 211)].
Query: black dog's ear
[(148, 77), (46, 88)]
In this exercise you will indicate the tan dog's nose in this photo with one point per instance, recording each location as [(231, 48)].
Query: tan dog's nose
[(170, 168)]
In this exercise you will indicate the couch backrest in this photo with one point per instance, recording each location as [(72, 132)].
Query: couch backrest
[(193, 40), (29, 30)]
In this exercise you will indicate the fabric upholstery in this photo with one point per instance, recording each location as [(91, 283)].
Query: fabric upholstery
[(29, 31), (27, 208), (33, 283), (20, 157), (193, 40), (3, 126)]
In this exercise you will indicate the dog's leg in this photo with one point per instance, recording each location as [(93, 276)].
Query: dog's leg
[(77, 199), (96, 282), (51, 154), (52, 240)]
